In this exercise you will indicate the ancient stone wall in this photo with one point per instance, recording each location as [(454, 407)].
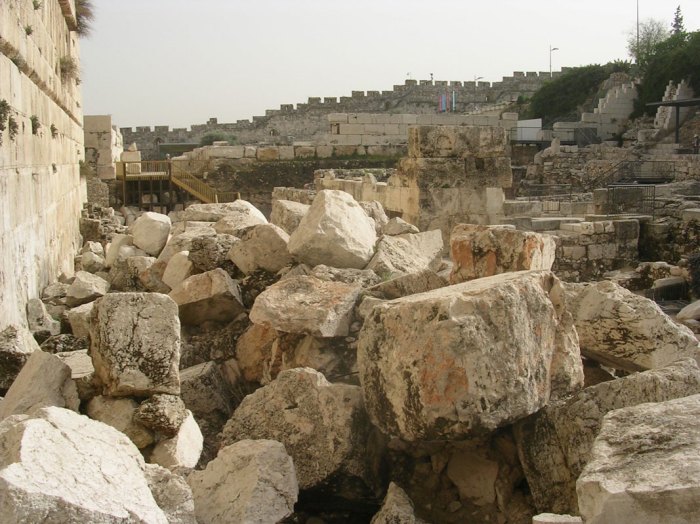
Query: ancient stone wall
[(41, 192), (103, 145), (308, 121)]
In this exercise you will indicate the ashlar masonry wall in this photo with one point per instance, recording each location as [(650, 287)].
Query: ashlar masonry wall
[(41, 192)]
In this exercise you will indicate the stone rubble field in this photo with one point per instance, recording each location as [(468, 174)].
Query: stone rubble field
[(333, 365)]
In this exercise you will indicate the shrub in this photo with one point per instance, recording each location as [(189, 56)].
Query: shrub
[(36, 125), (694, 271), (84, 15), (210, 138), (68, 68)]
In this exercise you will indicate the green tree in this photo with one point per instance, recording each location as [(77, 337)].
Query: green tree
[(640, 47), (677, 26)]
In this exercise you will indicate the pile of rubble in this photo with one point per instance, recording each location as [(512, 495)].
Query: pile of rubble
[(331, 366)]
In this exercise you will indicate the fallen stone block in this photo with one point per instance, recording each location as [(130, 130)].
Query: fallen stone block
[(409, 253), (398, 226), (179, 268), (626, 331), (135, 344), (41, 324), (397, 508), (261, 247), (119, 413), (163, 414), (16, 346), (555, 444), (118, 241), (79, 319), (335, 232), (92, 263), (287, 214), (62, 466), (375, 211), (467, 359), (150, 232), (408, 284), (208, 252), (183, 450), (250, 481), (644, 465), (183, 242), (482, 251), (86, 288), (242, 211), (172, 494), (307, 305), (210, 296)]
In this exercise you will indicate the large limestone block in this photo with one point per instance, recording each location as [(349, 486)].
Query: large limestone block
[(162, 413), (172, 494), (287, 214), (323, 426), (213, 295), (44, 381), (251, 481), (16, 346), (482, 251), (183, 242), (40, 323), (397, 508), (306, 304), (457, 141), (208, 252), (151, 232), (336, 231), (182, 450), (398, 226), (245, 213), (79, 319), (91, 262), (409, 253), (645, 466), (135, 344), (118, 241), (469, 358), (621, 329), (59, 466), (85, 288), (261, 247), (407, 284), (555, 444), (119, 413), (179, 268)]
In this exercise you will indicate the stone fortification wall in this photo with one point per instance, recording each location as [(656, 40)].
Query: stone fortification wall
[(41, 192), (103, 145), (308, 121)]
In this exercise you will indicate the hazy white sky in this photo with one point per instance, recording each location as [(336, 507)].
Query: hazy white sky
[(180, 62)]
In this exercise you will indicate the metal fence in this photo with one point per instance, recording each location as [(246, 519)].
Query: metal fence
[(631, 199)]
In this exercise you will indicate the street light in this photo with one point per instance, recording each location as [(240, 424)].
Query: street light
[(551, 49)]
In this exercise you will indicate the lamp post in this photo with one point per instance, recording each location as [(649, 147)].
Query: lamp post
[(476, 79), (551, 49)]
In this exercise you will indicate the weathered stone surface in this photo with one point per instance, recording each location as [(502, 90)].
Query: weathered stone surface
[(44, 381), (287, 214), (551, 518), (183, 242), (85, 288), (162, 413), (179, 268), (182, 450), (409, 253), (59, 466), (93, 247), (644, 465), (55, 293), (690, 312), (469, 358), (119, 413), (151, 232), (261, 247), (16, 345), (63, 343), (408, 284), (213, 295), (251, 481), (151, 279), (92, 263), (241, 210), (40, 323), (361, 277), (397, 508), (261, 350), (398, 226), (555, 444), (482, 251), (307, 305), (323, 427), (79, 319), (135, 344), (118, 241), (626, 331), (127, 267), (375, 211), (209, 252), (172, 494), (335, 231)]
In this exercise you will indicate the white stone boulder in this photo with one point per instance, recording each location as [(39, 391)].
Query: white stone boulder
[(118, 241), (335, 231), (85, 288), (43, 381), (92, 263), (398, 226), (16, 346), (59, 466), (213, 295), (287, 214), (645, 466), (151, 232), (555, 444), (209, 252), (183, 450), (172, 494), (468, 359), (483, 251), (375, 210), (251, 481), (261, 247), (409, 253), (307, 305), (79, 319), (41, 324), (163, 414), (397, 508), (179, 268), (119, 413), (183, 242), (323, 427), (135, 344), (689, 312), (626, 331), (241, 210)]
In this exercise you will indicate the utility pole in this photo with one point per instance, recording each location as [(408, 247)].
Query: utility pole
[(550, 58)]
